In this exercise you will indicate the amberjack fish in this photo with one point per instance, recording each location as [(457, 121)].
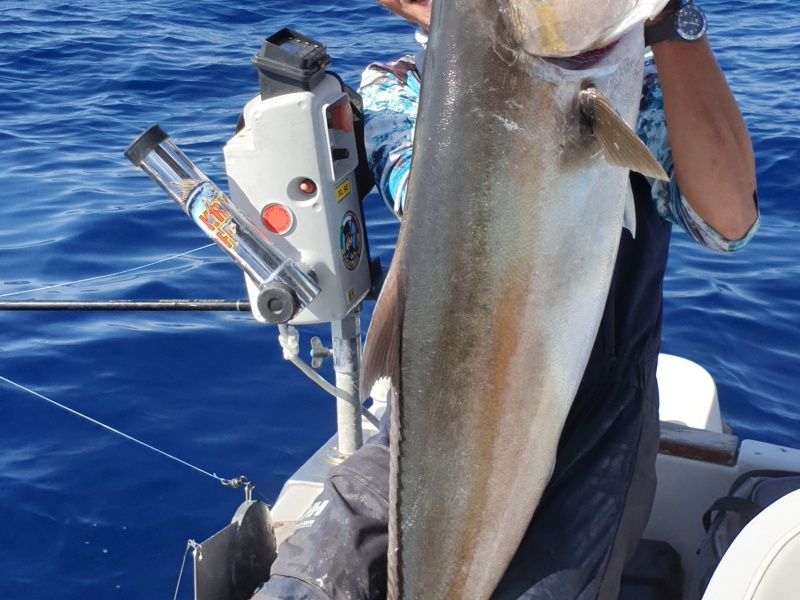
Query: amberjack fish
[(516, 198)]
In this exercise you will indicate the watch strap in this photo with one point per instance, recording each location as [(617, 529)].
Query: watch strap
[(661, 31), (672, 6)]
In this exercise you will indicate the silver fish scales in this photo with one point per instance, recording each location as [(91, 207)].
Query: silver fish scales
[(515, 207)]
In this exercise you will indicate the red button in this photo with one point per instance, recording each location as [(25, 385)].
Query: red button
[(308, 187), (277, 218)]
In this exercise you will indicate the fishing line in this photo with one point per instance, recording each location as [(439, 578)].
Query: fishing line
[(227, 482), (191, 544), (50, 287)]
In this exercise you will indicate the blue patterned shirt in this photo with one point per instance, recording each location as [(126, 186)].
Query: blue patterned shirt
[(390, 93)]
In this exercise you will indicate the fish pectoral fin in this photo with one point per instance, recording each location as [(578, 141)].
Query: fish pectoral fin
[(382, 345), (621, 146), (629, 216)]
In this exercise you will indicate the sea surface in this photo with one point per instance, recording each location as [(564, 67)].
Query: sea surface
[(88, 513)]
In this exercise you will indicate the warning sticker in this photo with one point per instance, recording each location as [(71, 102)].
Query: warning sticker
[(343, 190)]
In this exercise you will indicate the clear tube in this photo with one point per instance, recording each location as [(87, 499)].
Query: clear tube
[(284, 288)]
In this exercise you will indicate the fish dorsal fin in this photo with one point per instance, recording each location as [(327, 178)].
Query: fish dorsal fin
[(621, 146), (382, 345)]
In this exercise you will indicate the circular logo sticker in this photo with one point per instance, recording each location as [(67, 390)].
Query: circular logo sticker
[(350, 240)]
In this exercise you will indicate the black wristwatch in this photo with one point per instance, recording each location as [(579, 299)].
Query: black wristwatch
[(688, 23)]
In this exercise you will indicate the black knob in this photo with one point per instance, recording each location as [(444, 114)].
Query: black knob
[(277, 303)]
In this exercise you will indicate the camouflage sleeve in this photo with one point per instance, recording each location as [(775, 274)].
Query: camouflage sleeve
[(669, 201), (391, 95)]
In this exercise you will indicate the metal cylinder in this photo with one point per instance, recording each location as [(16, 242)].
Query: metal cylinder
[(346, 336)]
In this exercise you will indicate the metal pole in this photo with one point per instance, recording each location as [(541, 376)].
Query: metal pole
[(128, 305), (346, 336)]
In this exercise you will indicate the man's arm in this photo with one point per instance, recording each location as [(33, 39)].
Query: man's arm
[(390, 94), (711, 149)]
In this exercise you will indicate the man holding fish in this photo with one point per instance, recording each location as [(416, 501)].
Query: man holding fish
[(520, 322)]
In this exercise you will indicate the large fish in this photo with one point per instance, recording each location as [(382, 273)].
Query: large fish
[(501, 272)]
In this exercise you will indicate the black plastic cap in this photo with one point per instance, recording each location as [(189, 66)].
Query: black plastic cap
[(277, 303), (145, 144)]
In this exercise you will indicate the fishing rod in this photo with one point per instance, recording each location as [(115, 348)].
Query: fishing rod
[(129, 305)]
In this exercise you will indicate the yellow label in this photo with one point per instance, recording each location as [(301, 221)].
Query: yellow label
[(343, 190)]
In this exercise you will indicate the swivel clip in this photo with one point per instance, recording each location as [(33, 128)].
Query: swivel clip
[(238, 482)]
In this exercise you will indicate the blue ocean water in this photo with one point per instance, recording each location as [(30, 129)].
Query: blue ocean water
[(89, 514)]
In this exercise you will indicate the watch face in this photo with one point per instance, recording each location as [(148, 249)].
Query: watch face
[(690, 23)]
